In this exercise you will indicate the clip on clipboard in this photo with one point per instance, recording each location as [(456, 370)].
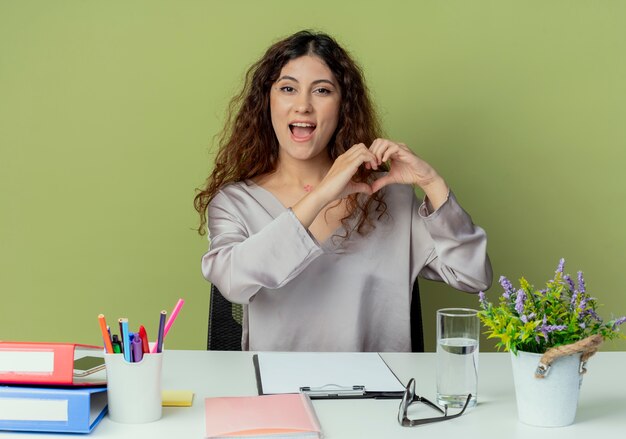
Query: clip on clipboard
[(333, 391)]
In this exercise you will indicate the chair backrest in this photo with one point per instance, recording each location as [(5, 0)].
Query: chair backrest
[(417, 328), (225, 322)]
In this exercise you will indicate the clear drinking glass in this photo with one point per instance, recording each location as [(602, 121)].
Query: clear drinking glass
[(458, 332)]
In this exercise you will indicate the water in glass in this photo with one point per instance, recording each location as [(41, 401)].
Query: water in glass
[(457, 361)]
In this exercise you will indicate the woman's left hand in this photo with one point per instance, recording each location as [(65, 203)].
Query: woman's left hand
[(407, 168)]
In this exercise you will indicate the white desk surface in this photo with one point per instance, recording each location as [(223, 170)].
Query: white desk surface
[(601, 408)]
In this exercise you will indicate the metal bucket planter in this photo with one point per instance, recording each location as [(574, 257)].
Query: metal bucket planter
[(547, 385)]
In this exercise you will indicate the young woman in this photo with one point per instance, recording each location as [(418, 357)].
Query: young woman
[(312, 217)]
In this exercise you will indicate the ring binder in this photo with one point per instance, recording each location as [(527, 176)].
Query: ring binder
[(333, 391), (48, 364), (48, 409)]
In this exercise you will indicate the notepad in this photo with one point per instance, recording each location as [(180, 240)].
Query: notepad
[(176, 398), (290, 415)]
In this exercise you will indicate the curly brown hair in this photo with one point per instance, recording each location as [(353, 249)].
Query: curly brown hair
[(248, 146)]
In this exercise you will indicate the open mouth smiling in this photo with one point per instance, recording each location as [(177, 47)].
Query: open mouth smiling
[(302, 130)]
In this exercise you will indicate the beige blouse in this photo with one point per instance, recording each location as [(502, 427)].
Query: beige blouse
[(338, 295)]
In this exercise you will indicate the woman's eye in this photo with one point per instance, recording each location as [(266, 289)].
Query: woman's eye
[(287, 89), (323, 91)]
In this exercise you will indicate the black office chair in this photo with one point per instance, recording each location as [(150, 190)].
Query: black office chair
[(417, 328), (225, 322)]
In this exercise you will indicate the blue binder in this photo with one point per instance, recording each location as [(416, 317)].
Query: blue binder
[(45, 409)]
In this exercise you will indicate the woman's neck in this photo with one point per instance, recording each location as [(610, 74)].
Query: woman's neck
[(299, 173)]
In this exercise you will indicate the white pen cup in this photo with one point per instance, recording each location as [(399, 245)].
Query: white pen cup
[(458, 331), (134, 389)]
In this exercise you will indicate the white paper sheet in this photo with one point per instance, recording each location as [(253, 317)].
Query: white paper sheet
[(286, 372)]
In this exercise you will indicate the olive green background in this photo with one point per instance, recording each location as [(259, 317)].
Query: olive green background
[(108, 112)]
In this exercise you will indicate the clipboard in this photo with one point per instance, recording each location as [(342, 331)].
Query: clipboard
[(326, 375)]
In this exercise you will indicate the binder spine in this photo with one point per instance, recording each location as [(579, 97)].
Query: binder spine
[(62, 368), (29, 363), (49, 410)]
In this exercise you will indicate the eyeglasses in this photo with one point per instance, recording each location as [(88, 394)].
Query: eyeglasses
[(410, 397)]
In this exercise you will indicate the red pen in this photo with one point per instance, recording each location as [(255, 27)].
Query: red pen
[(144, 340)]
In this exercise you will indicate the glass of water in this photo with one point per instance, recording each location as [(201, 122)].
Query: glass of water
[(458, 332)]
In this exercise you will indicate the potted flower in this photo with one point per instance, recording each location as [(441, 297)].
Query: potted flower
[(550, 333)]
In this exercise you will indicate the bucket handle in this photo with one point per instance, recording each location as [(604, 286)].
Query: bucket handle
[(588, 346)]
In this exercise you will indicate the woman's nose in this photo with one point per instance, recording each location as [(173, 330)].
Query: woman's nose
[(303, 104)]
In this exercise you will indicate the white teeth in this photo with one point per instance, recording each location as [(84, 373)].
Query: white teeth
[(303, 125)]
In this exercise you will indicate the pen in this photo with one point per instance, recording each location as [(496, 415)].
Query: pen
[(121, 338), (158, 347), (105, 334), (144, 340), (117, 346), (173, 316), (137, 349), (125, 339), (131, 337)]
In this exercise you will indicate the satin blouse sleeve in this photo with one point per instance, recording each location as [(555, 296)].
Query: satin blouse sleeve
[(458, 252), (240, 263)]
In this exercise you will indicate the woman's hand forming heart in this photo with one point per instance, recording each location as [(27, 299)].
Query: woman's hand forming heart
[(407, 168)]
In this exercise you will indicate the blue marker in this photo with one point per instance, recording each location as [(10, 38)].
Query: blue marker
[(126, 339)]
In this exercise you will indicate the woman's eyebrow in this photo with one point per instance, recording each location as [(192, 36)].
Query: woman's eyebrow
[(287, 78), (317, 81), (324, 81)]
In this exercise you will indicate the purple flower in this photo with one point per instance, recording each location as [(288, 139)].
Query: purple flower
[(524, 319), (582, 305), (481, 299), (593, 314), (582, 325), (547, 329), (552, 328), (507, 286), (573, 300), (541, 328), (618, 322), (559, 269), (581, 282), (519, 302), (570, 283)]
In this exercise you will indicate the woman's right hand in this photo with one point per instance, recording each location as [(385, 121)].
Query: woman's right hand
[(337, 183)]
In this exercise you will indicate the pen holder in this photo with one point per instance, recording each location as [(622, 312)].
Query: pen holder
[(134, 389)]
